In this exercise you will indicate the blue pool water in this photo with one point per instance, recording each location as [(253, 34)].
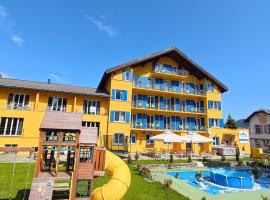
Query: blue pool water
[(207, 186)]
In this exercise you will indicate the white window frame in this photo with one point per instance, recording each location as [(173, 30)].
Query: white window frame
[(216, 123), (151, 121), (133, 136), (149, 142), (118, 91), (89, 104), (14, 123), (56, 99), (17, 104), (118, 139), (122, 115)]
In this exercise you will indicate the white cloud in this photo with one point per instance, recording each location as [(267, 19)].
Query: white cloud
[(7, 26), (5, 75), (17, 40), (102, 27)]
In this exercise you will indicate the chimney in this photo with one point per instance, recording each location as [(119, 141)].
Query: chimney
[(49, 81)]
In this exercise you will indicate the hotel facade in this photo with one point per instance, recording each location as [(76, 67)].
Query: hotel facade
[(133, 101)]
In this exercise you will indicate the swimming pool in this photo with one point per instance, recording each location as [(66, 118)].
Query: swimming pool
[(212, 188)]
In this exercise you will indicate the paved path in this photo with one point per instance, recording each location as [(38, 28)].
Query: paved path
[(197, 194), (11, 158)]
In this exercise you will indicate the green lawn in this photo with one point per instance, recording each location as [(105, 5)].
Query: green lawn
[(20, 180), (140, 189)]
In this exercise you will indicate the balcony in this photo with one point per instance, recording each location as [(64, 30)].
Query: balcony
[(162, 88), (153, 126), (168, 108), (18, 106), (56, 108), (169, 69)]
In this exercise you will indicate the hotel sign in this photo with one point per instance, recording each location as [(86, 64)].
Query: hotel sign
[(243, 137)]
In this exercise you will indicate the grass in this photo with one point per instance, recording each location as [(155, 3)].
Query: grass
[(20, 180), (140, 189)]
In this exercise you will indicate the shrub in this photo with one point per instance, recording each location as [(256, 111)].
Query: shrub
[(204, 198), (168, 183), (237, 156), (171, 158), (138, 167), (223, 158), (169, 166), (189, 159), (204, 159), (255, 171), (136, 157), (129, 159), (265, 198)]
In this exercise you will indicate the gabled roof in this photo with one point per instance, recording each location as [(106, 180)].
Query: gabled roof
[(51, 87), (177, 56), (265, 111)]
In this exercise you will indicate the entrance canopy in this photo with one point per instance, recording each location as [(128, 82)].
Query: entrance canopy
[(169, 136), (193, 137)]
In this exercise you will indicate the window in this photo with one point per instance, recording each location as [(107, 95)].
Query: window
[(83, 188), (150, 121), (148, 141), (258, 143), (258, 129), (51, 136), (268, 129), (86, 153), (18, 101), (126, 75), (216, 123), (119, 95), (133, 138), (57, 104), (134, 120), (167, 104), (90, 124), (167, 122), (216, 141), (151, 102), (69, 137), (11, 145), (119, 139), (91, 107), (214, 105), (120, 116), (11, 126), (210, 87)]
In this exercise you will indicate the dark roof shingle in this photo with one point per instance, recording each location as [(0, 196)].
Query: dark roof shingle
[(51, 87), (266, 111)]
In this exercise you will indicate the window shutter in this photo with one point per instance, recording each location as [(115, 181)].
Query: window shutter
[(131, 76), (112, 116), (207, 86), (113, 94), (221, 123), (212, 88), (219, 105), (125, 93), (210, 122), (210, 104), (127, 117)]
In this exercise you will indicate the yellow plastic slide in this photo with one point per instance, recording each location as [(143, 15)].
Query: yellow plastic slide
[(119, 183)]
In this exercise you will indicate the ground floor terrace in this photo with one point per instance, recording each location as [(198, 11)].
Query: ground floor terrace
[(140, 141)]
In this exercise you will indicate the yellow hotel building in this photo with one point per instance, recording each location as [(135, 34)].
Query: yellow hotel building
[(134, 101)]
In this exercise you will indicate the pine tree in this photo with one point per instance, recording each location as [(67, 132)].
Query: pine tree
[(231, 123)]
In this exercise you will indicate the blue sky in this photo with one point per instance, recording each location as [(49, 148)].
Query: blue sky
[(73, 42)]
